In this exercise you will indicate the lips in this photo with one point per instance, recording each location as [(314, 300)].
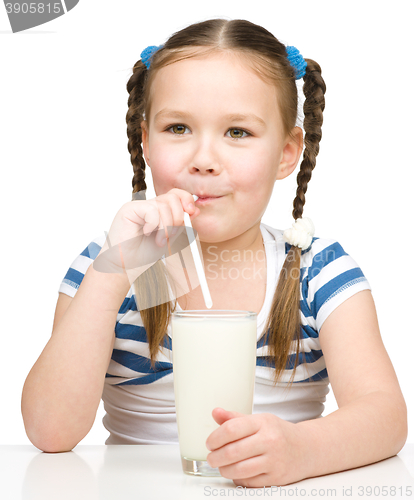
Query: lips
[(201, 201), (207, 195)]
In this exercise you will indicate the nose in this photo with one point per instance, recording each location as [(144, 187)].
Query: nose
[(205, 158)]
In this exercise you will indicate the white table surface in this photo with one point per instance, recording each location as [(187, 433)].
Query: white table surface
[(154, 472)]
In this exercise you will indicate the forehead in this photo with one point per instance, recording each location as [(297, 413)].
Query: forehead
[(218, 82)]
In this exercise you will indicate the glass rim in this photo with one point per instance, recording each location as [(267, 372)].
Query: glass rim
[(213, 313)]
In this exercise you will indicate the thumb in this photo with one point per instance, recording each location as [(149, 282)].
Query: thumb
[(220, 415)]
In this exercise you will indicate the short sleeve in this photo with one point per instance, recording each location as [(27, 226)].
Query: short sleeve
[(332, 276), (79, 266)]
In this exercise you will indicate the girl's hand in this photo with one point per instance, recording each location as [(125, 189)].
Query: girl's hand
[(256, 450), (137, 236)]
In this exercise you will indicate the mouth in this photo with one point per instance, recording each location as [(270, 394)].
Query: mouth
[(205, 200)]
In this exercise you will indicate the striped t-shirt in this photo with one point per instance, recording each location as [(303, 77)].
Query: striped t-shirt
[(139, 399)]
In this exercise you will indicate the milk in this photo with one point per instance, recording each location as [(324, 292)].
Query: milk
[(214, 361)]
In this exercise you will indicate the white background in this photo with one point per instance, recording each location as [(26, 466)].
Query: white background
[(66, 171)]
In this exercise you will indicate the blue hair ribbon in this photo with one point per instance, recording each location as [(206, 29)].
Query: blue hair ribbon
[(297, 61), (147, 54)]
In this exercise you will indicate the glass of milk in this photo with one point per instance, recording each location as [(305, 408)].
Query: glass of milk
[(214, 364)]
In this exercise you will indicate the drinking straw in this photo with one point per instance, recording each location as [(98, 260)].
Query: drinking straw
[(197, 259)]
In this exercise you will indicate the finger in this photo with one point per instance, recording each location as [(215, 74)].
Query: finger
[(177, 210), (221, 415), (232, 430), (178, 201), (237, 451), (166, 220), (150, 215), (259, 481), (186, 199), (248, 470), (185, 204)]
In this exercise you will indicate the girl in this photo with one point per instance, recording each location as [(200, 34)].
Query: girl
[(213, 113)]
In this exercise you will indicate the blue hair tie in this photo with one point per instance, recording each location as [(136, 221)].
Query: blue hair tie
[(147, 54), (296, 61)]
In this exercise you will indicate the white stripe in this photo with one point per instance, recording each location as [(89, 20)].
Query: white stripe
[(64, 7), (328, 273), (81, 264)]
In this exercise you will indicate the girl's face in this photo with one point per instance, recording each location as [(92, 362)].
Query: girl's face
[(215, 129)]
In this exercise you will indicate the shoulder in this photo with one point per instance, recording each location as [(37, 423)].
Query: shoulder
[(328, 276), (88, 255), (94, 247), (80, 265), (322, 251)]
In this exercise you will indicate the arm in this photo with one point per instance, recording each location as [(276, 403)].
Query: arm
[(370, 424), (371, 421), (63, 389)]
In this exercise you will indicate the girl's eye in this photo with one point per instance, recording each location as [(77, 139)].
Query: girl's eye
[(237, 133), (178, 129)]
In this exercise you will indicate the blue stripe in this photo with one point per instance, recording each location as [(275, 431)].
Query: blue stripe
[(315, 378), (269, 362), (148, 379), (323, 258), (167, 342), (306, 331), (91, 251), (319, 261), (138, 363), (333, 287), (305, 292), (309, 357), (303, 252), (131, 332), (74, 276), (263, 340), (304, 307), (261, 361), (128, 304), (137, 333)]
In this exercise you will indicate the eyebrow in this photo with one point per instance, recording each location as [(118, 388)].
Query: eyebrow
[(233, 117), (170, 113), (237, 117)]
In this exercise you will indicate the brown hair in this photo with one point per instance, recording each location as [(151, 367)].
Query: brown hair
[(267, 56)]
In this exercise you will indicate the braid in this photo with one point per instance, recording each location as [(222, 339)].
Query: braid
[(151, 286), (284, 323), (134, 118), (314, 89)]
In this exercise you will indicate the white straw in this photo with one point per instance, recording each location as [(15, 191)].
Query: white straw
[(197, 259)]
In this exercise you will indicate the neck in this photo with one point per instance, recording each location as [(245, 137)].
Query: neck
[(239, 252)]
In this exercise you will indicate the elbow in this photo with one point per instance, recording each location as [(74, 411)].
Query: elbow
[(50, 446), (400, 426), (404, 432), (48, 432), (46, 436), (49, 441)]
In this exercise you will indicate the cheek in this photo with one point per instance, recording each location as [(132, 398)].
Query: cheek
[(164, 167), (254, 172)]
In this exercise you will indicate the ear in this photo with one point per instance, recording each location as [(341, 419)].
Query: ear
[(291, 153), (145, 141)]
